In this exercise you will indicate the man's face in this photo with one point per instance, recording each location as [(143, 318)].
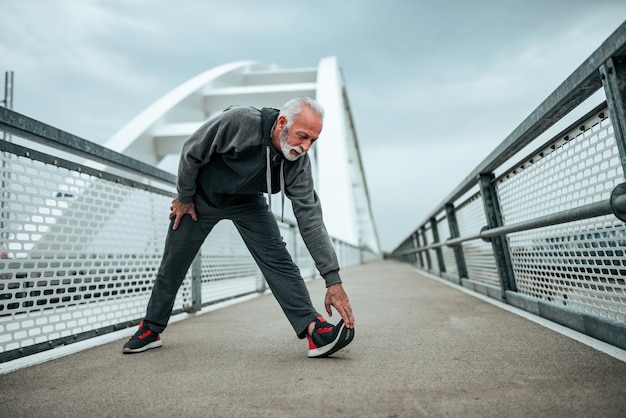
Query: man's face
[(297, 139)]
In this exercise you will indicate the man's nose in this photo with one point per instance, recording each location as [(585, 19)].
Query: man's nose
[(306, 144)]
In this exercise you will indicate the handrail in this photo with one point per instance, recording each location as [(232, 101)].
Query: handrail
[(617, 203), (41, 133)]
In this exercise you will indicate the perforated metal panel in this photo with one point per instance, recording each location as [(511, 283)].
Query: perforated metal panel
[(447, 252), (299, 252), (434, 264), (479, 259), (79, 252), (581, 264), (581, 168), (227, 267)]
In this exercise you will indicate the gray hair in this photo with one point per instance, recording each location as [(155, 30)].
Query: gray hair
[(294, 107)]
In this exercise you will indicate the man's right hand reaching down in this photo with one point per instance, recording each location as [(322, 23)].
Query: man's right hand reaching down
[(178, 210)]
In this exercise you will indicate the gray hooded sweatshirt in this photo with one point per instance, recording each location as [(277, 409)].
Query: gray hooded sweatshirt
[(232, 155)]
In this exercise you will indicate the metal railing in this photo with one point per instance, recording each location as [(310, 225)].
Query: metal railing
[(544, 230), (81, 236)]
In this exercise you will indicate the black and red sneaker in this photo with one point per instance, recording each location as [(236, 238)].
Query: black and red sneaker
[(144, 339), (327, 338)]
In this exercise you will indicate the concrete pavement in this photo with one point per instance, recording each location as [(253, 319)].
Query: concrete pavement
[(422, 349)]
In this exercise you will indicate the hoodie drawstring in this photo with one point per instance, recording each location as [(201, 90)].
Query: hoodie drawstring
[(282, 190), (268, 179)]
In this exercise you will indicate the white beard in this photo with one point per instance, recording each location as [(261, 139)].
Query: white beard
[(286, 148)]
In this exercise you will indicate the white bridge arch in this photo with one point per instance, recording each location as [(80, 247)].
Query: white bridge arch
[(156, 135)]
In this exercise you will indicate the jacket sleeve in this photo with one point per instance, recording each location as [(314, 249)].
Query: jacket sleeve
[(196, 152), (222, 134), (308, 211)]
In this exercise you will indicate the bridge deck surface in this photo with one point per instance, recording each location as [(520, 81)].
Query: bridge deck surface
[(422, 348)]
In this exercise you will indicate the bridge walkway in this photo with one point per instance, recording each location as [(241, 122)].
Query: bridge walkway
[(423, 348)]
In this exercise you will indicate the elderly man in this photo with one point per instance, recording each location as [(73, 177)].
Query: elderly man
[(225, 167)]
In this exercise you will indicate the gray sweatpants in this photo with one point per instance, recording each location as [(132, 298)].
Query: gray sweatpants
[(259, 230)]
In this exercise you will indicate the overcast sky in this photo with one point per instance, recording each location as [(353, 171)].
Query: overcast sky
[(434, 86)]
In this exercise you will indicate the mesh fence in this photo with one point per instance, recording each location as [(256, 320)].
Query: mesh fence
[(580, 264), (431, 253), (581, 168), (479, 259), (447, 253), (79, 252)]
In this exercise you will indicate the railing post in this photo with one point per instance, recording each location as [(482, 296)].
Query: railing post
[(361, 255), (293, 236), (416, 256), (429, 266), (613, 75), (499, 243), (294, 241), (458, 248), (196, 283), (438, 251), (8, 98), (424, 253)]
